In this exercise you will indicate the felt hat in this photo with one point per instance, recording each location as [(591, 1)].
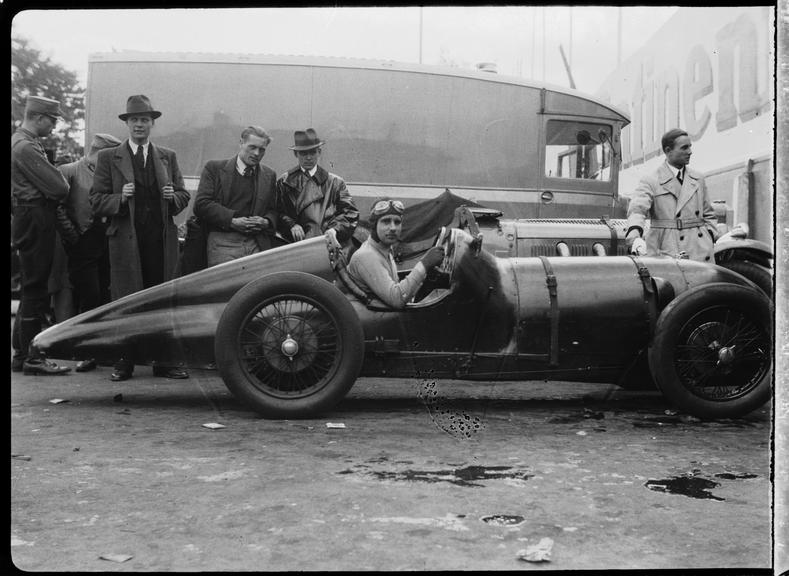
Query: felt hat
[(42, 105), (138, 105), (306, 140)]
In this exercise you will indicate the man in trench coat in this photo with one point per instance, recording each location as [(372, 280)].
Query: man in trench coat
[(139, 186), (674, 198)]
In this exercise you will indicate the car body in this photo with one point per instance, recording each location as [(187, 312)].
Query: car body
[(290, 332)]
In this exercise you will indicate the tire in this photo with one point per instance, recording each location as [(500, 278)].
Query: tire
[(756, 273), (289, 345), (711, 352)]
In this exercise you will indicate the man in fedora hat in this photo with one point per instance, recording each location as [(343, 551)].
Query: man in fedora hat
[(85, 235), (139, 187), (236, 200), (310, 199), (36, 188)]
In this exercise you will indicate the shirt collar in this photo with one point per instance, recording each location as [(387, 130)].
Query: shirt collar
[(134, 147), (240, 166), (312, 172), (674, 171)]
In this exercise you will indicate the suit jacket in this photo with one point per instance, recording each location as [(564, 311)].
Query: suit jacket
[(114, 169), (659, 195), (214, 191)]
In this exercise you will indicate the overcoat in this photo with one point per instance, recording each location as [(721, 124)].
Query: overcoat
[(681, 215), (213, 194), (114, 169)]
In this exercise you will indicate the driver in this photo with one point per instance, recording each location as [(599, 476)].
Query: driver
[(372, 266)]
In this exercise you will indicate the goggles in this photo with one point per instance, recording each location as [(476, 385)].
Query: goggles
[(387, 207)]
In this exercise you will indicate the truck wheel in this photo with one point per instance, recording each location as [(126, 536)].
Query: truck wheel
[(289, 345), (711, 352), (756, 273)]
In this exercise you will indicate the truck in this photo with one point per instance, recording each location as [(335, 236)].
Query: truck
[(544, 159)]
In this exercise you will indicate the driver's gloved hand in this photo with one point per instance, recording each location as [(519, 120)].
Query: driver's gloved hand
[(434, 257)]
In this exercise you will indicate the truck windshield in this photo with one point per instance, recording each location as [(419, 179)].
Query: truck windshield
[(578, 150)]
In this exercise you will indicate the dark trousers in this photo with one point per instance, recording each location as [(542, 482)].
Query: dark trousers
[(34, 236), (150, 242), (89, 268)]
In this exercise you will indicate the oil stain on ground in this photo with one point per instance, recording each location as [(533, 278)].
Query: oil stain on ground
[(691, 486), (470, 476)]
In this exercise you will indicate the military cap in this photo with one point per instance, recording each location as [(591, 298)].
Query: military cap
[(42, 105), (102, 141)]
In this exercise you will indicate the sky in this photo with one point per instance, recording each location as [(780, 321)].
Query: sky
[(521, 40)]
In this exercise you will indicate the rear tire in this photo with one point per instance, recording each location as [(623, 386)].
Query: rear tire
[(756, 273), (711, 355), (289, 345)]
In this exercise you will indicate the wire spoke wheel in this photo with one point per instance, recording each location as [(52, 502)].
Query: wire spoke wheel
[(289, 344), (722, 354), (711, 353)]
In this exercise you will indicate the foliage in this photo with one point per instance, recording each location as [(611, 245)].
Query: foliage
[(32, 73)]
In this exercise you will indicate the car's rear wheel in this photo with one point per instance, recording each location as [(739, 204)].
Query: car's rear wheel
[(289, 345), (711, 352), (756, 273)]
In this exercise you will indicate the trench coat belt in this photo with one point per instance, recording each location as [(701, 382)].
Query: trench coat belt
[(677, 223)]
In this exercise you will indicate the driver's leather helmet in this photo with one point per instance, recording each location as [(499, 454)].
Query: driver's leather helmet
[(383, 207)]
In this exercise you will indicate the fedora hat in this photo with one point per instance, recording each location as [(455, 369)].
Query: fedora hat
[(138, 105), (305, 140), (41, 105)]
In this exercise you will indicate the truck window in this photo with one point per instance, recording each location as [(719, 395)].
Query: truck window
[(577, 150)]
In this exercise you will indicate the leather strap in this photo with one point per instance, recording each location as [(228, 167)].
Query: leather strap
[(553, 314)]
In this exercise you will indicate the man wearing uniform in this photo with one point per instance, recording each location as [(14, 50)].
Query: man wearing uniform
[(311, 199), (36, 188), (675, 199)]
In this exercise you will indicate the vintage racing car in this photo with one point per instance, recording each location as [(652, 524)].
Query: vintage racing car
[(290, 332)]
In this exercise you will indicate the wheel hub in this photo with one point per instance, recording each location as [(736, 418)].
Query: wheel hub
[(726, 356), (289, 347)]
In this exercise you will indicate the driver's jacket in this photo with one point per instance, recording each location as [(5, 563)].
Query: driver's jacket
[(373, 269)]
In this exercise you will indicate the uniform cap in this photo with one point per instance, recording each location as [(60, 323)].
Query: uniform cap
[(42, 105), (102, 141)]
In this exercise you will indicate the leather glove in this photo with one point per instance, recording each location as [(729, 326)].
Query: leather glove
[(434, 257), (639, 247)]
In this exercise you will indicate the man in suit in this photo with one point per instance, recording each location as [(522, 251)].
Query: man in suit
[(236, 199), (674, 197), (139, 187), (310, 199), (36, 188)]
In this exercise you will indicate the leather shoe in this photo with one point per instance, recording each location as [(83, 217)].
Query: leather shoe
[(86, 365), (172, 373), (17, 363), (43, 368), (120, 375)]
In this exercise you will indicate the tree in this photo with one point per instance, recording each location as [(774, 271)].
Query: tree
[(37, 75)]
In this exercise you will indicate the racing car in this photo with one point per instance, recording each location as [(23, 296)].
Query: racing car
[(290, 332)]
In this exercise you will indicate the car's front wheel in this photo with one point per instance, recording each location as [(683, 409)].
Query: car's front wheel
[(711, 354), (289, 345)]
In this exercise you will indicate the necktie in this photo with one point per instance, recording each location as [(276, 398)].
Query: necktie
[(680, 175), (249, 171), (139, 157)]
